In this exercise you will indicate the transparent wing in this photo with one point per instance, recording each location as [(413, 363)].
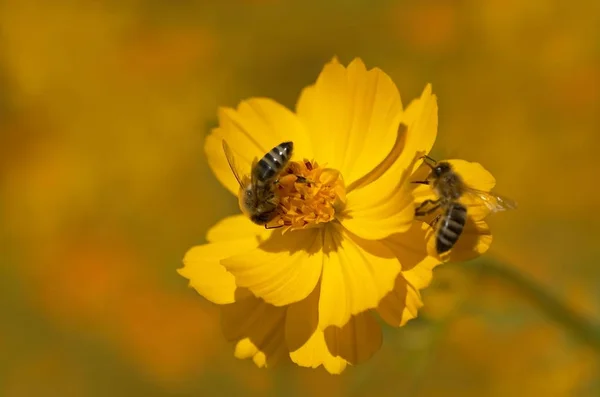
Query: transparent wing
[(253, 173), (492, 201), (232, 164)]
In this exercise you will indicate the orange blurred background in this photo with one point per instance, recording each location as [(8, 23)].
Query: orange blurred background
[(104, 106)]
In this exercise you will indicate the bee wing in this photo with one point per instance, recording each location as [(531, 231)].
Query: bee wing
[(232, 163), (492, 201), (253, 173)]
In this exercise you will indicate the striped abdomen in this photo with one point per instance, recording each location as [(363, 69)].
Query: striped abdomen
[(451, 226), (273, 162)]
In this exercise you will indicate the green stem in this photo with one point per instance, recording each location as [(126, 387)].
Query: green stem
[(557, 310)]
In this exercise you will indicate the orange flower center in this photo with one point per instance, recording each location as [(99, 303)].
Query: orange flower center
[(309, 196)]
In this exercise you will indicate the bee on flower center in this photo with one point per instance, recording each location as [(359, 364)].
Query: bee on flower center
[(258, 198), (450, 188)]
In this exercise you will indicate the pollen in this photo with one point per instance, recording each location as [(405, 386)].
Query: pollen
[(310, 196)]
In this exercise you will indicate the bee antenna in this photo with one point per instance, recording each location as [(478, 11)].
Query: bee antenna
[(428, 160)]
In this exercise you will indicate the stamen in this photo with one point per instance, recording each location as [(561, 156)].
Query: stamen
[(310, 196)]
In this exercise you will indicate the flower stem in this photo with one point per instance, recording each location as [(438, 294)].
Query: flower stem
[(580, 326)]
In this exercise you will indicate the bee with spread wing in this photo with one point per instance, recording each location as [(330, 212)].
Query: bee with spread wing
[(450, 189)]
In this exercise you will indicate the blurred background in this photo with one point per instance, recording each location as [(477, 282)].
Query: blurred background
[(104, 106)]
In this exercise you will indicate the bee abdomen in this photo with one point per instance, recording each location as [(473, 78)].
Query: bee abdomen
[(451, 227), (273, 162)]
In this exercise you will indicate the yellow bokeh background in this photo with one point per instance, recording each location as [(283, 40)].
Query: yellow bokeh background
[(104, 106)]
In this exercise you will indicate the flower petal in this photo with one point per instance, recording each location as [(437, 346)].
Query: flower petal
[(382, 204), (333, 348), (302, 320), (412, 250), (246, 349), (237, 227), (315, 353), (416, 133), (258, 328), (474, 175), (400, 305), (351, 115), (475, 240), (251, 130), (414, 253), (305, 341), (283, 269), (381, 208), (356, 341), (357, 274), (421, 117), (206, 274)]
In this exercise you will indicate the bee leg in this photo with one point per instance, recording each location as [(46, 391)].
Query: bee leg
[(421, 182), (419, 211), (435, 220), (272, 227), (299, 179), (427, 212)]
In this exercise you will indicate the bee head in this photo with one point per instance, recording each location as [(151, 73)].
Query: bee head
[(246, 198), (441, 168)]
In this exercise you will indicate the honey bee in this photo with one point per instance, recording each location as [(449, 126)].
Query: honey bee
[(257, 198), (450, 188)]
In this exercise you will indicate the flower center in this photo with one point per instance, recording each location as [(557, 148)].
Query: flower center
[(309, 195)]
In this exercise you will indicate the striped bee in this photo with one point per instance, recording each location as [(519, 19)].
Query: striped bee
[(450, 188), (257, 197)]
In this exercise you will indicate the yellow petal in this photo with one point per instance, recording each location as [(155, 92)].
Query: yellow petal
[(237, 227), (357, 274), (416, 133), (302, 320), (245, 349), (260, 359), (411, 249), (316, 353), (382, 207), (474, 241), (352, 116), (283, 269), (251, 130), (474, 175), (376, 219), (333, 348), (421, 192), (356, 341), (206, 274), (415, 136), (385, 191), (400, 305), (305, 341), (421, 117), (258, 328)]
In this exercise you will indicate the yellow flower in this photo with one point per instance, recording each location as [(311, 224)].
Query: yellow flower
[(347, 243)]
